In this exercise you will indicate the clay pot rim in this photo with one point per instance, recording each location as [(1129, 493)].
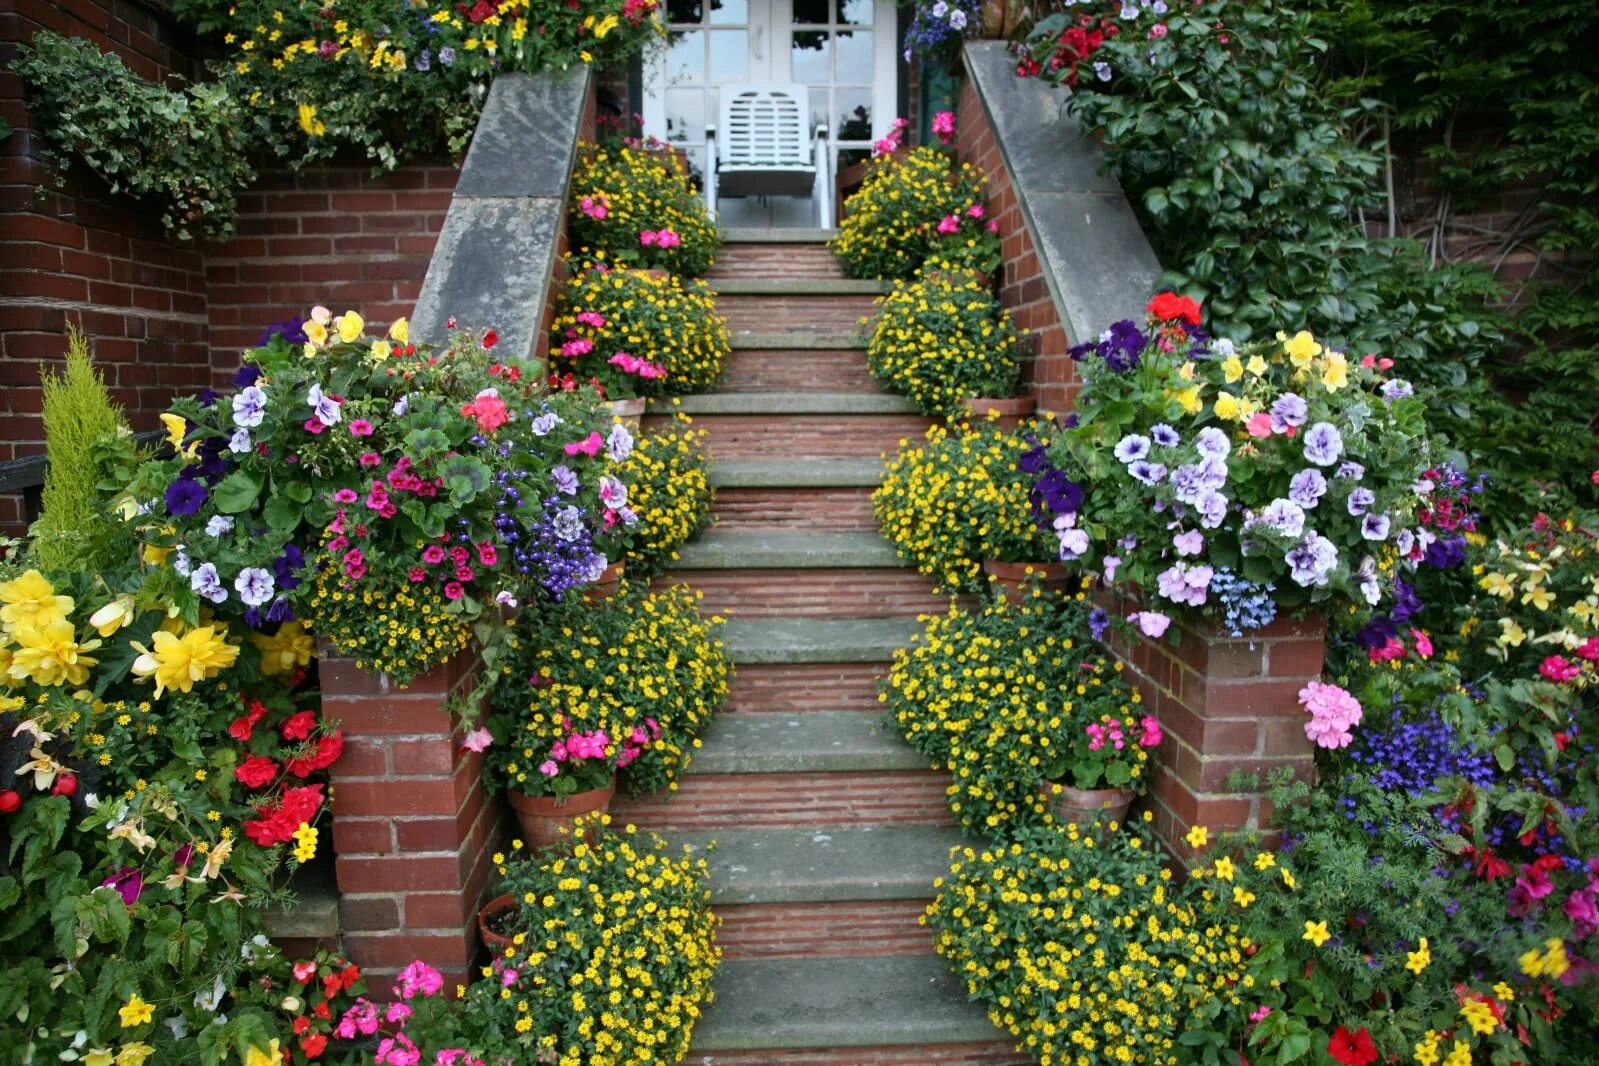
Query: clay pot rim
[(499, 904), (628, 406), (980, 406), (1043, 571), (559, 804)]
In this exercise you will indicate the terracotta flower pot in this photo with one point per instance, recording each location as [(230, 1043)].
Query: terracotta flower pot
[(545, 820), (1012, 578), (499, 905), (1000, 19), (607, 585), (1003, 413), (628, 411), (958, 276), (1084, 806)]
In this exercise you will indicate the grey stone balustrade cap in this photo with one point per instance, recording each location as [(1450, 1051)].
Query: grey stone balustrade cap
[(497, 251), (1097, 263)]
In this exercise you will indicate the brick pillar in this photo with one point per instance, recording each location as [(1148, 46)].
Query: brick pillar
[(412, 828), (1225, 703)]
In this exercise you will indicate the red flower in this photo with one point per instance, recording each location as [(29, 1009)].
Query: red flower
[(242, 727), (349, 977), (257, 772), (1169, 307), (322, 1010), (277, 826), (490, 339), (301, 1024), (304, 971), (327, 752), (299, 727), (314, 1045), (1352, 1049)]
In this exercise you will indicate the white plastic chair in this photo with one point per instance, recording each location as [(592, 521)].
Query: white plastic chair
[(759, 148)]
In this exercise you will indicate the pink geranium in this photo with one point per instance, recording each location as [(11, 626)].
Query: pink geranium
[(488, 410), (949, 224), (1333, 713), (944, 126)]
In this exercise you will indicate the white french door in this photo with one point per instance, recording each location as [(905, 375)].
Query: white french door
[(841, 50)]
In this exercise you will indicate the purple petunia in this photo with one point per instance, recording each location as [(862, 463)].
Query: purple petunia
[(1188, 481), (1360, 502), (1312, 560), (249, 406), (1148, 473), (1350, 470), (1374, 527), (255, 585), (1307, 488), (1323, 444), (1212, 443), (1164, 435), (1288, 410), (207, 583), (1212, 508), (1132, 448), (1190, 543), (565, 480), (1283, 516), (185, 497), (1186, 584), (619, 445)]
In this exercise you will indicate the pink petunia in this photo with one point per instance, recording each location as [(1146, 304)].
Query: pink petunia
[(361, 428)]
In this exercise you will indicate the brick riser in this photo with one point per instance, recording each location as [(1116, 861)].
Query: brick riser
[(823, 930), (807, 436), (774, 801), (775, 314), (785, 261), (798, 370), (786, 688), (794, 510), (997, 1053), (812, 593)]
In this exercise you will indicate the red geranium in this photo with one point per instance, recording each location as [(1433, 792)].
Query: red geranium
[(257, 771), (277, 826), (314, 1045), (299, 727), (1352, 1049), (1169, 307), (327, 752), (243, 727)]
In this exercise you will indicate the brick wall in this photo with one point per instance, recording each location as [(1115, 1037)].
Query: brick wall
[(1051, 377), (333, 235), (1226, 704), (76, 254)]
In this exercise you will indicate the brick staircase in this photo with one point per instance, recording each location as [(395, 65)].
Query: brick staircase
[(829, 831)]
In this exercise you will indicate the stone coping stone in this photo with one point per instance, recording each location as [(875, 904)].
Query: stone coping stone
[(799, 340), (1096, 261), (817, 640), (824, 865), (862, 1001), (496, 254), (796, 473), (717, 550), (777, 235), (814, 741), (787, 403), (798, 286)]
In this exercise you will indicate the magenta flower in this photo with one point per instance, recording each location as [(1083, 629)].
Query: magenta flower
[(454, 591), (371, 459), (346, 496), (433, 555), (361, 428), (128, 883)]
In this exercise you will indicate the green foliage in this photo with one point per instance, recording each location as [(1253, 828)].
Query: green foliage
[(73, 531), (891, 224), (183, 152), (943, 338), (623, 197), (669, 488)]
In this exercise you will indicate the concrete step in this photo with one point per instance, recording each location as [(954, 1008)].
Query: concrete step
[(827, 865), (768, 404), (727, 550), (799, 340), (800, 287), (796, 743), (862, 1002), (784, 235), (817, 640), (796, 474)]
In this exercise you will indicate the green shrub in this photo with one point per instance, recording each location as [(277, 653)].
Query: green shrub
[(72, 532), (942, 338), (625, 199), (183, 152), (669, 488), (891, 225)]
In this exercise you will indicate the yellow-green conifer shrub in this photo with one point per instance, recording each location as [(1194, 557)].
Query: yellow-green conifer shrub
[(77, 411)]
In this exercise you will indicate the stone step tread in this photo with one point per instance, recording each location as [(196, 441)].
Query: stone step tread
[(718, 550), (799, 286), (315, 915), (817, 640), (777, 235), (798, 340), (787, 403), (862, 1001), (814, 741), (824, 865), (796, 473)]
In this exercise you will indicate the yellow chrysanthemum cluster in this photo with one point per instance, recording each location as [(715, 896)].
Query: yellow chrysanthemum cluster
[(961, 498), (942, 338), (1082, 949), (619, 949), (998, 698), (402, 631), (620, 193), (669, 489), (890, 226), (657, 318)]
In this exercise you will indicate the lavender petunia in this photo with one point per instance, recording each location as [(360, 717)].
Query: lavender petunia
[(619, 444), (249, 407), (1374, 527), (1212, 508), (1323, 444), (1165, 435), (1349, 470), (218, 525), (1188, 481), (568, 524), (565, 480), (1148, 473), (207, 583), (240, 443), (1283, 516), (1360, 502), (1212, 443), (255, 585), (1312, 560), (1189, 543), (1288, 410), (544, 423), (1397, 389), (1307, 488), (1132, 448)]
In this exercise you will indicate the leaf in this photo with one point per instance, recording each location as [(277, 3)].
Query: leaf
[(283, 513), (1156, 202), (186, 947), (237, 492)]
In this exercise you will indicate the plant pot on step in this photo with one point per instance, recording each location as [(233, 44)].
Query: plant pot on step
[(1012, 579), (959, 276), (605, 586), (546, 819), (1085, 806), (629, 411), (489, 917), (1005, 414)]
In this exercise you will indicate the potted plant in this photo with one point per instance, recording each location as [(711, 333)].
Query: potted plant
[(1234, 482), (942, 340), (912, 207), (1104, 766), (669, 489), (634, 202), (636, 334)]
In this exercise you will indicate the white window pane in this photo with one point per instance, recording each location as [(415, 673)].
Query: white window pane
[(855, 12), (730, 55), (854, 63), (685, 114), (685, 58), (811, 58), (730, 12)]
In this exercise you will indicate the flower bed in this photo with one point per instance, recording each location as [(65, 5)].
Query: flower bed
[(669, 488), (910, 208), (635, 204), (963, 497)]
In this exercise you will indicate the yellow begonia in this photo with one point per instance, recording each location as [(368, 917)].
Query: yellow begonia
[(286, 650), (349, 326), (113, 616), (1227, 407), (272, 1055), (1335, 373), (30, 600), (135, 1012), (1302, 348), (400, 331), (134, 1054), (178, 662), (315, 333), (49, 654), (1232, 368)]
